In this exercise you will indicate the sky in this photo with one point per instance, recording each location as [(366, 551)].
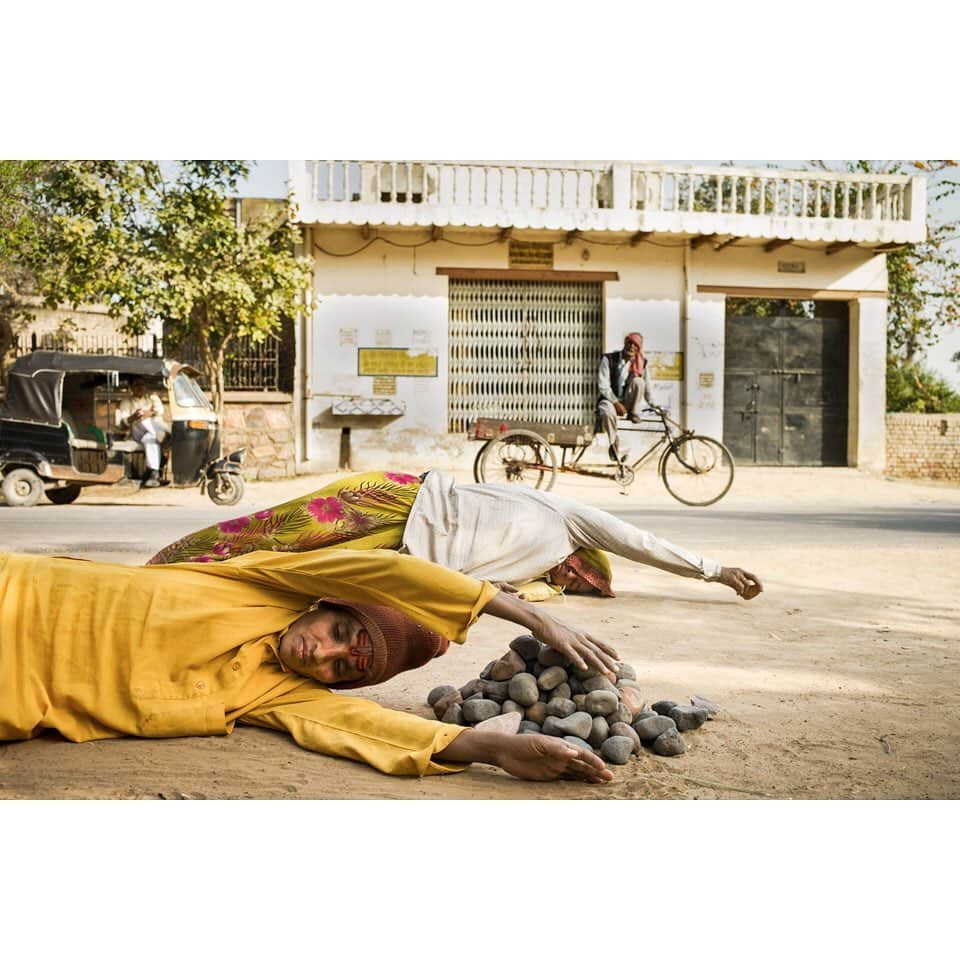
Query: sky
[(268, 179)]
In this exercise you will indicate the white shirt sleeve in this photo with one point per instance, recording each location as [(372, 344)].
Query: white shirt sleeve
[(591, 527)]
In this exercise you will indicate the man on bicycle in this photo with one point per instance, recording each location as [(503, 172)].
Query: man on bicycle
[(624, 389)]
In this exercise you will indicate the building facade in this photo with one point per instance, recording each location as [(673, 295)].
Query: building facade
[(447, 291)]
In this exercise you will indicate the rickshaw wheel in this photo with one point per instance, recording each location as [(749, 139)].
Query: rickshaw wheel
[(21, 488), (518, 456), (62, 495), (225, 489)]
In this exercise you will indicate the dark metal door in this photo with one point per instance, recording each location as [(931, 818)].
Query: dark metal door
[(785, 387)]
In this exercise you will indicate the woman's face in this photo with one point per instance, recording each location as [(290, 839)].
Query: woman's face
[(564, 575), (328, 645)]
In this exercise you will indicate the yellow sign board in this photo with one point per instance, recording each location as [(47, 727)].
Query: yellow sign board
[(666, 366), (395, 362), (526, 253)]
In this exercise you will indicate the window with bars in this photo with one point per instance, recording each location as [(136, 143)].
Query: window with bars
[(524, 350)]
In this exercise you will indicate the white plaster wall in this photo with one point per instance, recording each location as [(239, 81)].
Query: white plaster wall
[(703, 358), (867, 433), (391, 295)]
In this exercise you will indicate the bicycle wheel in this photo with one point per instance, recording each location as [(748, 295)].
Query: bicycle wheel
[(476, 462), (520, 456), (696, 471)]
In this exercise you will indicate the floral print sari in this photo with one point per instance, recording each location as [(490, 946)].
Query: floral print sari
[(364, 511)]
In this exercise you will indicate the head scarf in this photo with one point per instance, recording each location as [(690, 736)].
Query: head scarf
[(593, 566), (639, 362), (399, 643)]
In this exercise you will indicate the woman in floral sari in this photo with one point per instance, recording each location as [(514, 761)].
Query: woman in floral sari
[(506, 533), (362, 512)]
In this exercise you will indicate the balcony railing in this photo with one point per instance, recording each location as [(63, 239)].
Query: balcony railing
[(614, 196)]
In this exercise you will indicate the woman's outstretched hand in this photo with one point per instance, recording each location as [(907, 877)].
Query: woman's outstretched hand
[(528, 756), (743, 583), (575, 644)]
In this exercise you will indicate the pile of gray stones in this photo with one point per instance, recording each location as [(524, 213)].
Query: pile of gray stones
[(534, 689)]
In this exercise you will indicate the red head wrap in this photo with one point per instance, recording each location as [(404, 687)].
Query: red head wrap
[(399, 643), (639, 362)]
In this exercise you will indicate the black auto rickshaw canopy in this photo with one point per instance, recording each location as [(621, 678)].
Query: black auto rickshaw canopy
[(35, 381)]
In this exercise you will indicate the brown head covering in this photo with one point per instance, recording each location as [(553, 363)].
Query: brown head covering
[(592, 565), (639, 362), (399, 643)]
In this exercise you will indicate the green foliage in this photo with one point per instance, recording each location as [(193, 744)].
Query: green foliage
[(116, 233), (923, 279), (917, 390)]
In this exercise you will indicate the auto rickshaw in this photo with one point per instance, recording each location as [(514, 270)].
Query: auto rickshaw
[(57, 429)]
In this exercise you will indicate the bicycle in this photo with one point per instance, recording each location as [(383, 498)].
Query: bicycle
[(696, 470)]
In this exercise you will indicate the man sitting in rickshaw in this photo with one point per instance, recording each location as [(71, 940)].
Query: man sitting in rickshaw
[(142, 414)]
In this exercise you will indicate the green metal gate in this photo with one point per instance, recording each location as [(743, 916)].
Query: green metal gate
[(785, 383), (523, 350)]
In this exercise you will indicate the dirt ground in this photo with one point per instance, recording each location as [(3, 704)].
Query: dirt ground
[(839, 682)]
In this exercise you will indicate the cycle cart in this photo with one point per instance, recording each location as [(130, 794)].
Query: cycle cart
[(696, 470)]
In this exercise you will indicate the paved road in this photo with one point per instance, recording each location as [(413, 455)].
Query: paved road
[(131, 533)]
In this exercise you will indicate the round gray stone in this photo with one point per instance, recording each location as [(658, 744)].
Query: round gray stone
[(599, 731), (437, 692), (650, 728), (688, 718), (523, 689), (528, 647), (496, 690), (628, 683), (599, 683), (474, 696), (616, 749), (562, 691), (536, 712), (579, 699), (476, 711), (585, 673), (470, 688), (551, 658), (669, 744), (551, 727), (560, 707), (645, 714), (485, 672), (625, 730), (622, 714), (712, 708), (510, 706), (552, 677), (579, 742), (510, 664), (576, 686), (663, 707), (626, 672), (528, 726), (576, 725), (454, 714), (441, 706), (601, 703)]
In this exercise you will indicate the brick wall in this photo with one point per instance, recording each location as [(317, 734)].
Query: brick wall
[(263, 423), (924, 445)]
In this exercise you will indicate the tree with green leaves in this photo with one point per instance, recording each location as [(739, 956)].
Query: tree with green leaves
[(154, 248), (923, 287), (209, 278)]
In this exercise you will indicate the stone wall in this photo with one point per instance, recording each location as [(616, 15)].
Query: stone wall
[(924, 445), (263, 423)]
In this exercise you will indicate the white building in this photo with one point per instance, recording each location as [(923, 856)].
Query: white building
[(447, 291)]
